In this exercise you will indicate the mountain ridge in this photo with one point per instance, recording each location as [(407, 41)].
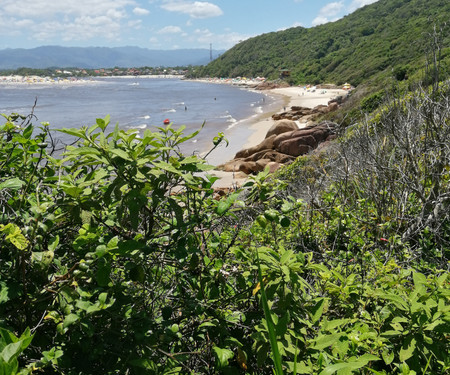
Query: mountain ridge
[(101, 57)]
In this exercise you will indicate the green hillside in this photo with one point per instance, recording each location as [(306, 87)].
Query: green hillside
[(371, 43)]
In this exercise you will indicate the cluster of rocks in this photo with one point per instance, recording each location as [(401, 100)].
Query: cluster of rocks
[(285, 141), (270, 85), (308, 114)]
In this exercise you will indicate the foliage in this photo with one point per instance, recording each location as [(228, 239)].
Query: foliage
[(117, 257), (366, 45)]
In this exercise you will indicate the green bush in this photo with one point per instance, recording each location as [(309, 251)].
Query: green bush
[(117, 257)]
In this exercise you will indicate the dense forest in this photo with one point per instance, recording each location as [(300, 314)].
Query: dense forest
[(117, 255), (377, 41)]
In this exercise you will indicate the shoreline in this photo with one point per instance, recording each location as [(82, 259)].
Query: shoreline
[(38, 80), (291, 96), (294, 96)]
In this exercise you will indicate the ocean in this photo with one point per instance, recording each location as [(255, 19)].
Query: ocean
[(144, 103)]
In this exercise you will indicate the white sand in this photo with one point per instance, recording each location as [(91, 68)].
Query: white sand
[(294, 96)]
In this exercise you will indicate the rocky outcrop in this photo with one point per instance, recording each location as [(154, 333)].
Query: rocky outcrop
[(285, 140), (281, 126), (297, 113), (267, 144), (280, 149), (269, 85)]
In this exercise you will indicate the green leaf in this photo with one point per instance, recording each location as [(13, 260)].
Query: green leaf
[(317, 310), (12, 183), (122, 154), (83, 305), (70, 319), (223, 356), (325, 341), (332, 324), (207, 324), (102, 298), (270, 325), (167, 167), (73, 191), (388, 357), (103, 123), (356, 364), (223, 206), (13, 350), (14, 235), (407, 349), (42, 259), (398, 301), (79, 133), (287, 257), (53, 243), (28, 131)]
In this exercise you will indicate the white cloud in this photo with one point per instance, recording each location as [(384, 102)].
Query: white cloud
[(196, 9), (170, 30), (135, 24), (49, 8), (68, 19), (360, 3), (220, 41), (328, 13), (140, 11)]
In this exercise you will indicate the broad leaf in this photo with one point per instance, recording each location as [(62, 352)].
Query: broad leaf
[(223, 356), (12, 183)]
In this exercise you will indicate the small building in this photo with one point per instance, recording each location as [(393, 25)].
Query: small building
[(284, 73)]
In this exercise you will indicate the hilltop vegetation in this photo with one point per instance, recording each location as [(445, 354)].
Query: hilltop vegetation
[(387, 38)]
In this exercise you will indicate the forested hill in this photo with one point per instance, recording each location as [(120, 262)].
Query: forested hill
[(372, 42)]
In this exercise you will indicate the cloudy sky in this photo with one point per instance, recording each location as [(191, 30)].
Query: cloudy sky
[(158, 24)]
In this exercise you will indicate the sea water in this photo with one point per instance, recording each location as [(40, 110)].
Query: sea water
[(143, 103)]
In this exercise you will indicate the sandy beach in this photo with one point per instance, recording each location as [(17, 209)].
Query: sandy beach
[(293, 96)]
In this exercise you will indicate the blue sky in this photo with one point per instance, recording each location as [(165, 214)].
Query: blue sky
[(158, 24)]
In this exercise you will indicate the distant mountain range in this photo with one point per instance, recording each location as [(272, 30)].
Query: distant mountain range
[(101, 57)]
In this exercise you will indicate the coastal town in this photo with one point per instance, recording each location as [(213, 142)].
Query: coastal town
[(78, 75)]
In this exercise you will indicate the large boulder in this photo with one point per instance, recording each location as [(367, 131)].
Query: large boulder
[(235, 165), (281, 126), (261, 164), (321, 108), (320, 132), (295, 147), (264, 145), (270, 154)]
